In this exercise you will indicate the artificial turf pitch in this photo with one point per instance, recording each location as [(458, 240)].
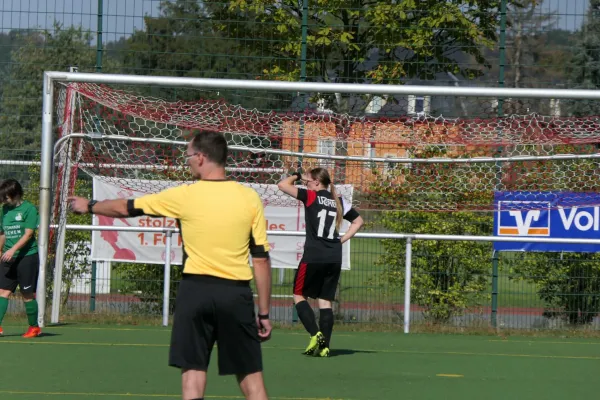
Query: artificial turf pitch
[(111, 362)]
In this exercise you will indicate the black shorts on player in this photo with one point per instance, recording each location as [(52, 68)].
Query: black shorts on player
[(317, 280), (208, 308), (22, 272)]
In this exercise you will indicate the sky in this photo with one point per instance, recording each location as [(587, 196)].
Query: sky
[(122, 17)]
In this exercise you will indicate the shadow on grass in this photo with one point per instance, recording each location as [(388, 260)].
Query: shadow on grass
[(347, 352)]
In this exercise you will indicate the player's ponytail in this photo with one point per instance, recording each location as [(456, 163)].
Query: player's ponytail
[(338, 207), (322, 175)]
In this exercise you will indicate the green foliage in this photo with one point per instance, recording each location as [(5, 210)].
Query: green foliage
[(585, 64), (448, 277), (39, 51), (435, 185), (564, 175), (365, 41), (536, 53), (568, 282), (183, 41), (146, 281)]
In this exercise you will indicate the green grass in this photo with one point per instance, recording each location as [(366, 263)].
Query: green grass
[(116, 362)]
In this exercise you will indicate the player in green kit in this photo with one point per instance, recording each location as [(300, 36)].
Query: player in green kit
[(19, 260)]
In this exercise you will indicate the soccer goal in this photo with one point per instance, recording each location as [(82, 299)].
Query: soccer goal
[(388, 147)]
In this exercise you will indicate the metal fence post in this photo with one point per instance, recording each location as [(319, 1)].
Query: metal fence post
[(407, 280), (93, 288), (494, 315), (167, 283)]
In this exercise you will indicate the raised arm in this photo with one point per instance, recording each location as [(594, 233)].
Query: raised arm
[(287, 185)]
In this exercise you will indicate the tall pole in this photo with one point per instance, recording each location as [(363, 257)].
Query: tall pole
[(502, 52), (304, 98), (502, 61), (45, 193), (99, 48)]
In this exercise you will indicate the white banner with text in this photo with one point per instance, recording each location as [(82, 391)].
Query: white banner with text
[(282, 213)]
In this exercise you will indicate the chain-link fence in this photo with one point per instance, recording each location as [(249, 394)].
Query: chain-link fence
[(453, 282), (544, 44)]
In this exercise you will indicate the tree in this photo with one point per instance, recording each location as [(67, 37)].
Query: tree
[(530, 55), (585, 65), (569, 283), (146, 282), (8, 41), (183, 41), (448, 277), (22, 95), (362, 41), (535, 56)]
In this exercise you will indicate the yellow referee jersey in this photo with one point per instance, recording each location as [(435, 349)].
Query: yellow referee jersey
[(219, 221)]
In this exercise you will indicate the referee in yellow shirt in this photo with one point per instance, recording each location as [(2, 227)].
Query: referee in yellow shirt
[(222, 222)]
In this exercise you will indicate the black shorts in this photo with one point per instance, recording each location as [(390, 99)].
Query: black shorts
[(21, 271), (317, 280), (209, 309)]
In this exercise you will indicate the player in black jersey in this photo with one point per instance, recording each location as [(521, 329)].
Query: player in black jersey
[(319, 271)]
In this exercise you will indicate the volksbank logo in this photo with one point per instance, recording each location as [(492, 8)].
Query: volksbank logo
[(523, 218), (556, 215)]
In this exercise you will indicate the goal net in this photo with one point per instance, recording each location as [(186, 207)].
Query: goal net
[(409, 152), (394, 157)]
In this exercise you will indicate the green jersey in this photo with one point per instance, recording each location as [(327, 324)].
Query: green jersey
[(13, 223)]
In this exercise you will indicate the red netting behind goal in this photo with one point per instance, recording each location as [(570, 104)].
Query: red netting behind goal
[(411, 163)]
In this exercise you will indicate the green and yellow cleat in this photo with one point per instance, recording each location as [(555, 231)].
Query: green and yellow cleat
[(324, 352), (315, 343)]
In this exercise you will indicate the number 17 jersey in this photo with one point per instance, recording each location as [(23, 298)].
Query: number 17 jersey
[(322, 243)]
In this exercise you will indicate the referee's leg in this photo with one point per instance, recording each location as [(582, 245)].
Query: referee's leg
[(192, 337), (253, 386), (238, 343)]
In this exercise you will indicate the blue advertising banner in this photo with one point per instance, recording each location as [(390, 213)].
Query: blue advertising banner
[(547, 214)]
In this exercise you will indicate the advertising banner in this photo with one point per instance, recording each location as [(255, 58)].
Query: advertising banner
[(564, 215), (282, 213)]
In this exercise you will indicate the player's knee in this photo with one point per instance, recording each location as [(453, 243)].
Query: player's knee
[(5, 293), (298, 298), (253, 386), (324, 303)]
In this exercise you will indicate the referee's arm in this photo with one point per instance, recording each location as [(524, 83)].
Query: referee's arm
[(166, 204), (259, 250)]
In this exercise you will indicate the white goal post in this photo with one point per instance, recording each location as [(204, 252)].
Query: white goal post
[(51, 78)]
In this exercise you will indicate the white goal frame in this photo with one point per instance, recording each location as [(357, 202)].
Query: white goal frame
[(52, 77)]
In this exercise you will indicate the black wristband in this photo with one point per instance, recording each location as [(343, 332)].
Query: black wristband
[(298, 176), (263, 316), (90, 205)]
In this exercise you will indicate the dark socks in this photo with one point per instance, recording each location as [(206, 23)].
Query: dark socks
[(326, 323), (307, 317)]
